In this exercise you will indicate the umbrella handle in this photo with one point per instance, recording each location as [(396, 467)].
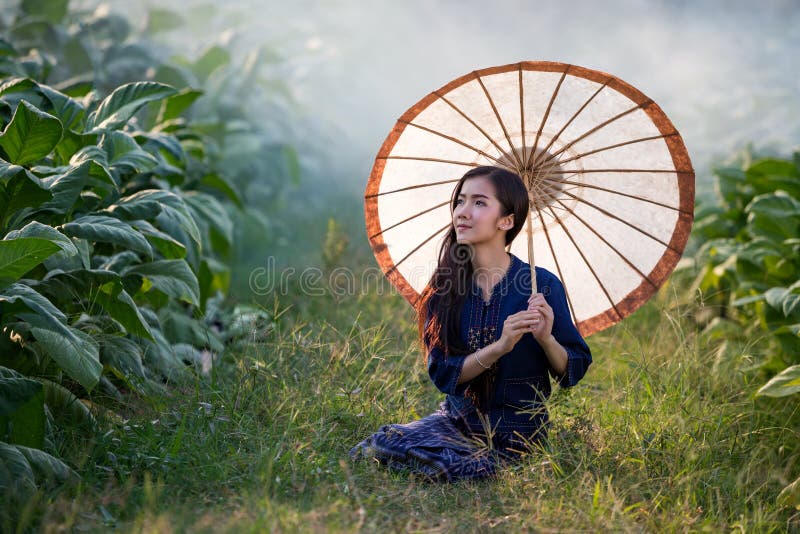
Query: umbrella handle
[(530, 255)]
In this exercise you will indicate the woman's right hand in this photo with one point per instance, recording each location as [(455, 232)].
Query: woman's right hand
[(515, 326)]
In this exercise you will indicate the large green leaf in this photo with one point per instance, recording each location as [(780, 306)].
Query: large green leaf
[(175, 75), (124, 354), (78, 354), (209, 210), (119, 261), (74, 351), (90, 153), (729, 183), (22, 418), (16, 474), (174, 106), (67, 261), (19, 299), (68, 110), (77, 284), (174, 278), (116, 109), (23, 469), (71, 142), (16, 392), (98, 165), (67, 187), (13, 90), (135, 207), (20, 191), (45, 467), (18, 256), (168, 246), (167, 149), (785, 299), (31, 135), (123, 151), (65, 406), (37, 229), (173, 208), (785, 383), (770, 168), (121, 307), (8, 171), (107, 229), (774, 215)]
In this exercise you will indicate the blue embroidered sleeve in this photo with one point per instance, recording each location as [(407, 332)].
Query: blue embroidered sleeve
[(444, 370), (579, 357)]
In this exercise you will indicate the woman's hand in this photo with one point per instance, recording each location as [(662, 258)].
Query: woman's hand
[(543, 325), (516, 325)]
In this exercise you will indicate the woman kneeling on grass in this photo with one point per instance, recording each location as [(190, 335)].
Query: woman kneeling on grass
[(490, 344)]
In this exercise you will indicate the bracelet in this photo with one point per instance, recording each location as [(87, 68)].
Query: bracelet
[(479, 360)]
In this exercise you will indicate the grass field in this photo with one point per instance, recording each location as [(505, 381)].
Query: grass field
[(663, 434)]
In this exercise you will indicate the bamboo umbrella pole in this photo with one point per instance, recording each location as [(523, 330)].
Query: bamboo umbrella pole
[(530, 254)]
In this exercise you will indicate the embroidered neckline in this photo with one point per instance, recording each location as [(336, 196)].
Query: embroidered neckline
[(484, 319), (501, 284)]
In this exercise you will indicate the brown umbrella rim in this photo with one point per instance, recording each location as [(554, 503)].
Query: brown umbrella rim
[(680, 158)]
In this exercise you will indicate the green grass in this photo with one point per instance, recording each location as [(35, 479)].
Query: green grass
[(663, 434)]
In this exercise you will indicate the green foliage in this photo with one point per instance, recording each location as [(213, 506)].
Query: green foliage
[(750, 261), (663, 436), (18, 256), (787, 382), (115, 226), (124, 178), (21, 411), (107, 209), (750, 264), (118, 108), (30, 135)]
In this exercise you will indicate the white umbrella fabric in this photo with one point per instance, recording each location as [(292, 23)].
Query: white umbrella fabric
[(610, 182)]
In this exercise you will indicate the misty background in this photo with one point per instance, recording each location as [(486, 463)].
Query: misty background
[(725, 72)]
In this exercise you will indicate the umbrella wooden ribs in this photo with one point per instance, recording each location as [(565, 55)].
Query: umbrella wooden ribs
[(610, 182)]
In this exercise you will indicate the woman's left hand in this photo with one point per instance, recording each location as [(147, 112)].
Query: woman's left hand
[(543, 329)]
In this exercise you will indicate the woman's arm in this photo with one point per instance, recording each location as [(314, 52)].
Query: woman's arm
[(542, 331), (480, 360), (514, 327), (567, 352)]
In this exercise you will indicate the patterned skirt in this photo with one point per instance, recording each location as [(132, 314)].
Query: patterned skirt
[(437, 447)]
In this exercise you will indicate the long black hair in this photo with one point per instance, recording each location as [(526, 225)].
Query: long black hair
[(449, 286)]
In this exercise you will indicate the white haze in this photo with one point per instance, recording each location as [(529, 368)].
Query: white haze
[(725, 72)]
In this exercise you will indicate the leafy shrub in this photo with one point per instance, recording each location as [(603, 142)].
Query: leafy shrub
[(750, 258), (97, 222), (114, 231), (750, 265)]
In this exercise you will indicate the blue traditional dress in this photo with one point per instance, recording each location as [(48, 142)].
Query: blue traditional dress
[(461, 441)]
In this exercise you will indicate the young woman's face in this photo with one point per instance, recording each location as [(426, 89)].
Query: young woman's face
[(477, 215)]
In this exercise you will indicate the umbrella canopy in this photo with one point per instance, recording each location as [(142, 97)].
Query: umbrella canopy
[(610, 182)]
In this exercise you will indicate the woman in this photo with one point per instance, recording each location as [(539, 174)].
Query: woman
[(491, 346)]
